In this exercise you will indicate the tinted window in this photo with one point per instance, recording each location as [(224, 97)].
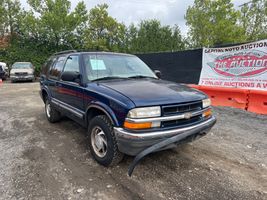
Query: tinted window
[(57, 67), (48, 65), (72, 64)]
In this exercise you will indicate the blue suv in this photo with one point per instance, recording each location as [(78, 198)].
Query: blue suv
[(125, 106)]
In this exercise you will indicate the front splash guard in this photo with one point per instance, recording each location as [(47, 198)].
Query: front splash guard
[(164, 143)]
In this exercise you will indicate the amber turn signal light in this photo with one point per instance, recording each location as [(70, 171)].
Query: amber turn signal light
[(131, 125), (207, 113)]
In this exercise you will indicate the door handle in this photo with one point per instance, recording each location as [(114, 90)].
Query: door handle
[(58, 84)]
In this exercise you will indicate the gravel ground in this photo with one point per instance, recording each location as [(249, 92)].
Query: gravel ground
[(40, 160)]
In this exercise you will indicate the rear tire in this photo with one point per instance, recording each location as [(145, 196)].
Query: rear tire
[(102, 141), (51, 113)]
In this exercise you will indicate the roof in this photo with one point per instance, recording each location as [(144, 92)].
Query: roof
[(2, 64), (22, 62), (90, 52)]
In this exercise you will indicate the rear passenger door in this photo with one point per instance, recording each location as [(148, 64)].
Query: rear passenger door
[(70, 94)]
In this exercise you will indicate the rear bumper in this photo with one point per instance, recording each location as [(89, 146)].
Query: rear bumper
[(132, 143)]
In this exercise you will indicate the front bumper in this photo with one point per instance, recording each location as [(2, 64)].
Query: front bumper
[(132, 143), (21, 78)]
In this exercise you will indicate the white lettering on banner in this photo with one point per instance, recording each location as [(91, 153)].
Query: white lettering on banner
[(242, 66)]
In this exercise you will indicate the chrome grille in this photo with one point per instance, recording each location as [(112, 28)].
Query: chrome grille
[(181, 109), (21, 73)]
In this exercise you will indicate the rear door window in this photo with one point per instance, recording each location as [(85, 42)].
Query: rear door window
[(56, 70), (49, 63)]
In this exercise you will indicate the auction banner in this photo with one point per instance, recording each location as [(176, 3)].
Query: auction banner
[(243, 66)]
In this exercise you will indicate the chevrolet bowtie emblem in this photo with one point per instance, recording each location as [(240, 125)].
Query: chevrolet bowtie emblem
[(187, 115)]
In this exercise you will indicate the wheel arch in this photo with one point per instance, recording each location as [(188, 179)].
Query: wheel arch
[(100, 109), (44, 93)]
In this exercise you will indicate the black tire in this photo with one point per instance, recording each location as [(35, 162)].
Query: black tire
[(52, 114), (113, 156)]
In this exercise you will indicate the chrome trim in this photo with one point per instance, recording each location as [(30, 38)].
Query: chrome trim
[(122, 133), (168, 118), (68, 107)]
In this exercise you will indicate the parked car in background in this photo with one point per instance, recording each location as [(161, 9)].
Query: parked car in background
[(125, 106), (3, 71), (22, 71)]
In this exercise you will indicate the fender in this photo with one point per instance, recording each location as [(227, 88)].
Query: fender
[(106, 109)]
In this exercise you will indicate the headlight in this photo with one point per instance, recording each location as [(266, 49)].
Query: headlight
[(145, 112), (206, 103)]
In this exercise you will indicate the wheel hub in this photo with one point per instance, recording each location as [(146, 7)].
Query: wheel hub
[(99, 141)]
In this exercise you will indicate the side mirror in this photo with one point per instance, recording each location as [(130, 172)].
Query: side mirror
[(158, 73), (71, 76)]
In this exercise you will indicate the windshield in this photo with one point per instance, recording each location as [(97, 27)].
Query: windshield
[(105, 66), (21, 66)]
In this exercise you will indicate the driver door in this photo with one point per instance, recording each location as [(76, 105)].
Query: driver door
[(70, 94)]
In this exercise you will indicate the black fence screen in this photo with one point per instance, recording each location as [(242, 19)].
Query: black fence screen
[(182, 66)]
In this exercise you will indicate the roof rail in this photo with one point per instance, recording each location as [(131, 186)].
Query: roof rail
[(64, 52)]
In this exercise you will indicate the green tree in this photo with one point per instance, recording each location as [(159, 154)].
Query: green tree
[(254, 19), (56, 23), (9, 16), (103, 31), (151, 36), (130, 38), (2, 18), (213, 23)]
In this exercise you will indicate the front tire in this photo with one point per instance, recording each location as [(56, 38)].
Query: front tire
[(51, 113), (102, 141)]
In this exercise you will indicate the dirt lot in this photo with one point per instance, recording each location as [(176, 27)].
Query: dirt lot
[(39, 160)]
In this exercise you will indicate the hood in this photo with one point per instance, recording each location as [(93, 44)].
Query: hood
[(29, 71), (149, 92)]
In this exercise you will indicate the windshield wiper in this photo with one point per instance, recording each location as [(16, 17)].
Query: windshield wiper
[(141, 76), (109, 78)]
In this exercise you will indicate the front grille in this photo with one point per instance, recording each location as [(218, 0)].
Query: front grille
[(21, 73), (181, 122), (179, 109), (182, 108)]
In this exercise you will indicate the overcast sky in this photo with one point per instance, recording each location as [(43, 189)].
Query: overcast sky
[(169, 12)]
